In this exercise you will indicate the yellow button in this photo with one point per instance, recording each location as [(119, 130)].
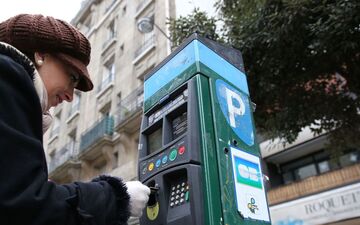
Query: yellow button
[(151, 166)]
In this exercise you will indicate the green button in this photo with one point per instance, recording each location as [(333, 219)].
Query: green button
[(187, 196), (173, 154)]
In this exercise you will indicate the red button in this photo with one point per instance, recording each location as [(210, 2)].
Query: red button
[(181, 149)]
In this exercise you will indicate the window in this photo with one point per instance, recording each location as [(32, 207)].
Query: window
[(349, 158), (110, 35), (108, 74), (305, 172), (288, 178), (71, 146), (116, 158), (146, 43), (316, 164), (105, 111), (111, 30), (56, 126), (86, 25), (75, 104), (324, 166)]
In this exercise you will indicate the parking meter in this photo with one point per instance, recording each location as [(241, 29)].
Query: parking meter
[(197, 148)]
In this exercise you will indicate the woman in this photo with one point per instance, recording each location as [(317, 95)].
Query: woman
[(42, 60)]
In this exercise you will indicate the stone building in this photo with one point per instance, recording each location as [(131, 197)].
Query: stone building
[(307, 186), (98, 132)]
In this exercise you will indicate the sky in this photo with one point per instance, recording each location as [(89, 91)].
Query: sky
[(185, 7), (61, 9), (67, 9)]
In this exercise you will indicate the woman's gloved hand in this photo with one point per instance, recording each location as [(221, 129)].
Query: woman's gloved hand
[(139, 196)]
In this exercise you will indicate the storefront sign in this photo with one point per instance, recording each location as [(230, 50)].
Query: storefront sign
[(330, 206)]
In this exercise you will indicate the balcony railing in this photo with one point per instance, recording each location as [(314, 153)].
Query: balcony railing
[(68, 152), (147, 43), (102, 128), (315, 184), (130, 105)]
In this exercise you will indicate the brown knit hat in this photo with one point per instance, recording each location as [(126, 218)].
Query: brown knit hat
[(38, 33)]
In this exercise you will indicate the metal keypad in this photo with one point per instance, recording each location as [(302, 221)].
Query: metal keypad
[(179, 194)]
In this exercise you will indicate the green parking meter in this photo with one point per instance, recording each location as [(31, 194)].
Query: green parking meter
[(197, 148)]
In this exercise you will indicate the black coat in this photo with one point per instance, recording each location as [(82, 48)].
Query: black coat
[(26, 195)]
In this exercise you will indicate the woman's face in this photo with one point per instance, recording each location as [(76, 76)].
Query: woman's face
[(58, 79)]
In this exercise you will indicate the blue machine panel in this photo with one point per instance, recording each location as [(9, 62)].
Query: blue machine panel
[(198, 55)]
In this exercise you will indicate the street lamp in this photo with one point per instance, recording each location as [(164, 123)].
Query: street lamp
[(147, 24)]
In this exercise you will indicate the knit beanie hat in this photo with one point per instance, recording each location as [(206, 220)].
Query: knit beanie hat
[(38, 33)]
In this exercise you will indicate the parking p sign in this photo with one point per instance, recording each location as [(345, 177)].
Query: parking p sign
[(236, 109)]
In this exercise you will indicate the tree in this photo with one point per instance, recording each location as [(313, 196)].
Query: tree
[(302, 59), (197, 21)]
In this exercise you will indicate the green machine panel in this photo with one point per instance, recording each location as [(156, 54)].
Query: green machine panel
[(197, 147)]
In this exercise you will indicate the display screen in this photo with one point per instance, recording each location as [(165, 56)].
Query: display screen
[(154, 141), (168, 107), (179, 125)]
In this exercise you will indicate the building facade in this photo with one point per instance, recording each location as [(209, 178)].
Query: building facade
[(97, 133), (307, 186)]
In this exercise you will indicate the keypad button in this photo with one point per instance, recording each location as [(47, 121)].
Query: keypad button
[(173, 154), (164, 159), (179, 194), (144, 170), (181, 150), (151, 166), (187, 196), (158, 162)]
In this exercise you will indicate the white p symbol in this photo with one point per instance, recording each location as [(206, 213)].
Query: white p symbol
[(234, 110)]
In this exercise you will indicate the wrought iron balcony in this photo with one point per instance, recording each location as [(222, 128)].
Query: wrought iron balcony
[(102, 128), (130, 105), (66, 153)]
